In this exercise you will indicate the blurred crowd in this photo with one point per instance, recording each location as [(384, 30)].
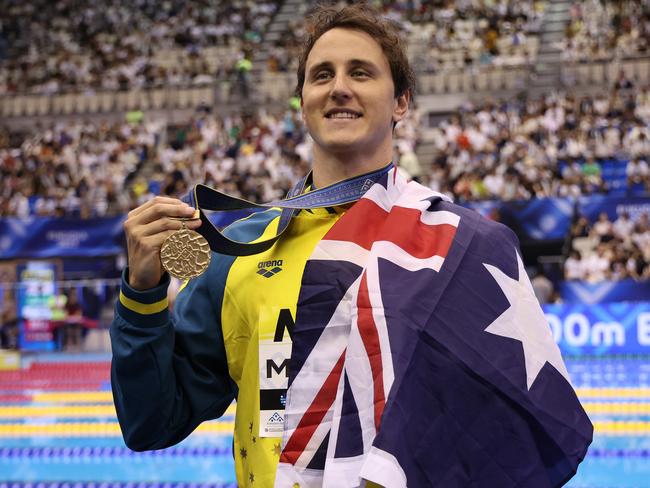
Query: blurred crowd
[(79, 45), (457, 35), (79, 168), (446, 34), (89, 170), (508, 150), (606, 29), (556, 146), (257, 156), (606, 250)]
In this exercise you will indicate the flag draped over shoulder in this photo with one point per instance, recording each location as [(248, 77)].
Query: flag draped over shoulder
[(422, 358)]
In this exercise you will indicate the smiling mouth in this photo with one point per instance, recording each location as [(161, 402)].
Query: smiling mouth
[(343, 115)]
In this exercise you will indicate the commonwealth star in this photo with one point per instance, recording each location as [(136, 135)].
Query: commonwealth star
[(525, 322)]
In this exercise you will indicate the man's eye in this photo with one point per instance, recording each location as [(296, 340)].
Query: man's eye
[(321, 75), (357, 73)]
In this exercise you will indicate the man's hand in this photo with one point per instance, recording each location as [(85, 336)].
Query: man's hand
[(146, 228)]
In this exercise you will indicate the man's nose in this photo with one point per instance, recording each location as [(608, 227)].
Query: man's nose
[(340, 88)]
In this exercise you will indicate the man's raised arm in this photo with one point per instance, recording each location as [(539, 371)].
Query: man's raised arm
[(169, 373)]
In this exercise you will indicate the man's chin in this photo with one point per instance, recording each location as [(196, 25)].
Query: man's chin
[(342, 145)]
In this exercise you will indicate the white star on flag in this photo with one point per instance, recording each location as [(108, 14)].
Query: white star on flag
[(524, 321)]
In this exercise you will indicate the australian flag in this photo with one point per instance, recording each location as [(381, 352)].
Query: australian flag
[(422, 358)]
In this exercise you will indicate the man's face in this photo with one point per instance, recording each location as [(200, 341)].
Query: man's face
[(348, 98)]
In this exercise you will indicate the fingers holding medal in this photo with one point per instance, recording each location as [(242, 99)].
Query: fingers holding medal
[(147, 227)]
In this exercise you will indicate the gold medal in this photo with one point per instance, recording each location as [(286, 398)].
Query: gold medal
[(185, 254)]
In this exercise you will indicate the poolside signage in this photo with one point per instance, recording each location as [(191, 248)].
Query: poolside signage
[(605, 329)]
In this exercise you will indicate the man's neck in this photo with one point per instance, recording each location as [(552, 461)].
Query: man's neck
[(330, 169)]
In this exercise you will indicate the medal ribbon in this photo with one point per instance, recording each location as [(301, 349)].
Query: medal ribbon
[(205, 198)]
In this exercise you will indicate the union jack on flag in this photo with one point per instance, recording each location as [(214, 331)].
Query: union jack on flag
[(421, 357)]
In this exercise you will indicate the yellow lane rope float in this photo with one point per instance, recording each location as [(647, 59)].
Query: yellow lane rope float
[(67, 411), (619, 393), (95, 397), (617, 408), (74, 397), (105, 396), (108, 411), (112, 429)]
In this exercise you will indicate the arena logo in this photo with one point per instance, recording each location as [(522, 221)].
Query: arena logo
[(576, 331), (268, 264), (269, 268)]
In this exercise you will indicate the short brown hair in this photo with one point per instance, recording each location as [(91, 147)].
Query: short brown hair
[(361, 17)]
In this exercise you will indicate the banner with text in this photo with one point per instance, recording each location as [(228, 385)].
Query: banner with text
[(593, 205), (46, 237), (596, 330)]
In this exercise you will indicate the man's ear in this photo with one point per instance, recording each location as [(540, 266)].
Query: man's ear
[(401, 106)]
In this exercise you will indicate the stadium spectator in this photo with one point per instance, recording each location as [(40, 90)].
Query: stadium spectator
[(619, 265), (573, 267), (597, 265), (581, 228), (637, 141), (623, 227), (638, 173), (592, 175), (73, 322), (641, 237), (623, 82), (603, 228), (543, 287), (9, 331), (637, 266)]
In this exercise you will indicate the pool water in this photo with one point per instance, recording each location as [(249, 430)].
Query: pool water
[(55, 435)]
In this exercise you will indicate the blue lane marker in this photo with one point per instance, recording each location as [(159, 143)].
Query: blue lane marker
[(59, 419), (104, 484), (111, 452), (211, 451), (618, 453)]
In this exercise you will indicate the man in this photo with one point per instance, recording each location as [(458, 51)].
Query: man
[(235, 328)]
